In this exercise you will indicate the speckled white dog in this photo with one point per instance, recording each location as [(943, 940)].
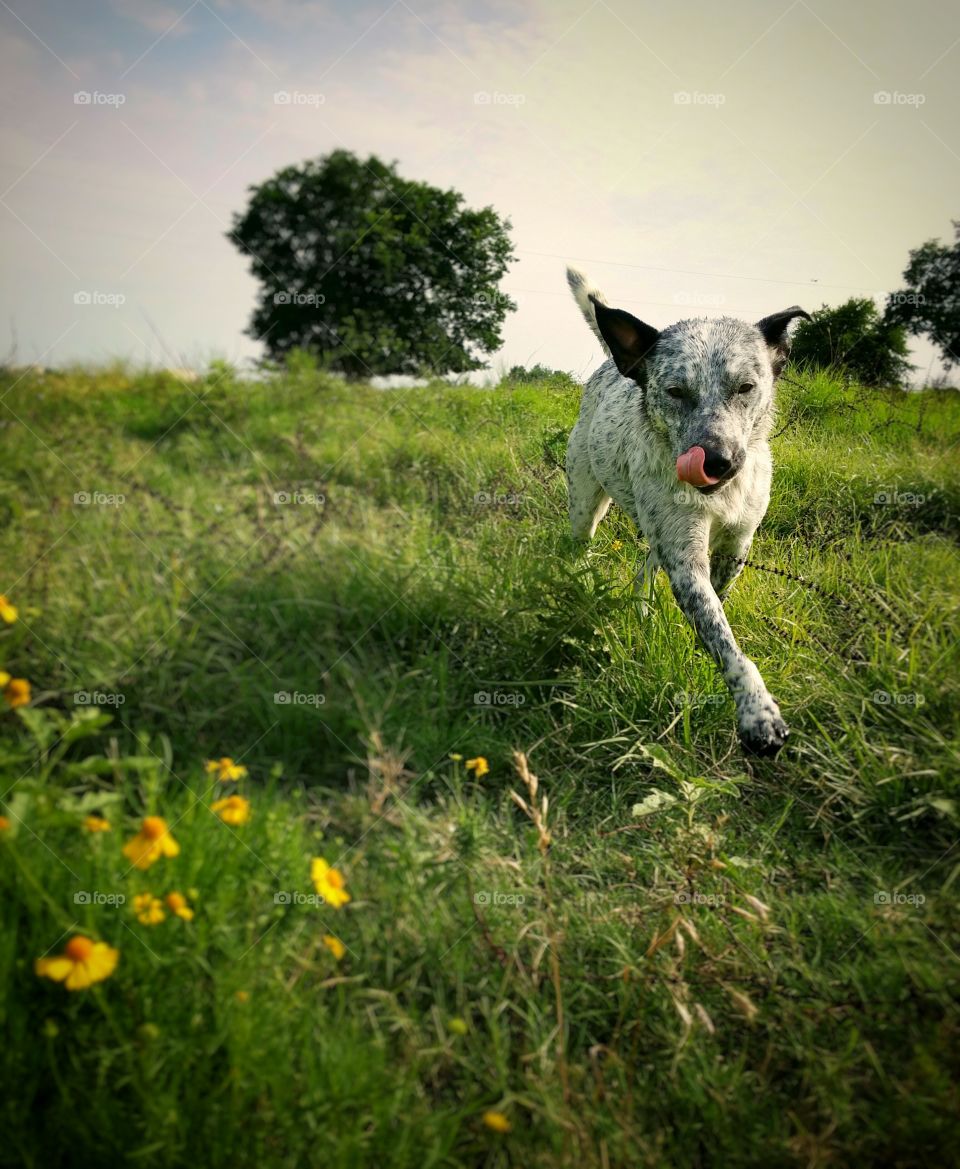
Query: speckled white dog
[(675, 429)]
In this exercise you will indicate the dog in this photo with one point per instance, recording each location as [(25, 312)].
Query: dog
[(675, 429)]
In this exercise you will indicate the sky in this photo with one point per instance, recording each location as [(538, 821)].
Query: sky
[(700, 159)]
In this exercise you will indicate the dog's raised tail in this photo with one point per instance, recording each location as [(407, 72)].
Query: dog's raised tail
[(583, 291)]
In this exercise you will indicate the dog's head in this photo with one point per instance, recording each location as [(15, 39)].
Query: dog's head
[(707, 385)]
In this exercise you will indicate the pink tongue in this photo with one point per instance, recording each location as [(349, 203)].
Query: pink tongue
[(690, 468)]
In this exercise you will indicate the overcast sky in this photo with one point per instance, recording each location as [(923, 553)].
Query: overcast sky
[(694, 159)]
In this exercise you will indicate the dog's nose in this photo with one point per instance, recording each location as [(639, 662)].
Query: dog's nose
[(716, 464)]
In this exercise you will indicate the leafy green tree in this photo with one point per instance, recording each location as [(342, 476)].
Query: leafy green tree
[(374, 274), (930, 303), (857, 338)]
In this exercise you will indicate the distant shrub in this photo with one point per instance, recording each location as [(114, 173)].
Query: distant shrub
[(521, 375)]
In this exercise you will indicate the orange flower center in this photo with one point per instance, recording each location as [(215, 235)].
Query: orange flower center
[(154, 827), (335, 879), (79, 949), (176, 900)]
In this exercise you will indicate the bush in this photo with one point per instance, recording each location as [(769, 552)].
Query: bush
[(854, 337)]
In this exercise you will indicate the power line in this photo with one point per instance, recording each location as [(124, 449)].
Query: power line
[(694, 272)]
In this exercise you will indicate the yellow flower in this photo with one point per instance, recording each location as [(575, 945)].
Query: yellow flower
[(456, 758), (497, 1121), (8, 612), (177, 904), (16, 691), (232, 810), (82, 963), (96, 824), (478, 766), (151, 843), (225, 769), (616, 545), (242, 996), (335, 946), (4, 823), (457, 1026), (149, 909), (329, 883)]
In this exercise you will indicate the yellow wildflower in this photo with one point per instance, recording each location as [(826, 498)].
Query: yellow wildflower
[(478, 766), (96, 824), (456, 757), (242, 996), (335, 946), (232, 810), (177, 904), (497, 1121), (82, 963), (16, 690), (151, 843), (329, 883), (8, 612), (149, 909), (616, 545), (457, 1026), (225, 769)]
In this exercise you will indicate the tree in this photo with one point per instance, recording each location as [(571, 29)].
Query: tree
[(930, 304), (856, 337), (373, 274)]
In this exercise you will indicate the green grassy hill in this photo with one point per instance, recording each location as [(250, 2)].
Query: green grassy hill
[(352, 593)]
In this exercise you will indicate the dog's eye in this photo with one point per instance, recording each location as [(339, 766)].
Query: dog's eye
[(745, 387), (676, 392)]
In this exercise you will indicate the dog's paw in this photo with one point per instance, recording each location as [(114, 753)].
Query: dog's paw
[(763, 731)]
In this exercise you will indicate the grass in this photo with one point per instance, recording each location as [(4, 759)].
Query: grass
[(711, 962)]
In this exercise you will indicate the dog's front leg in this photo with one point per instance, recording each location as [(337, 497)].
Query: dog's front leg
[(727, 558), (762, 730)]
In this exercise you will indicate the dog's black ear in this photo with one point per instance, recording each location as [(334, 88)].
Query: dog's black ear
[(628, 339), (774, 330)]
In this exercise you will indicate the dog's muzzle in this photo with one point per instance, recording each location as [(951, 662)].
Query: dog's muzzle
[(706, 469)]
